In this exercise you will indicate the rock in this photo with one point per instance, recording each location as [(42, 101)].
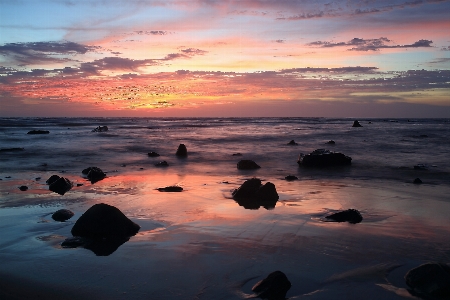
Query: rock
[(291, 177), (247, 164), (62, 215), (331, 142), (23, 188), (252, 194), (417, 181), (430, 280), (323, 158), (52, 179), (38, 132), (100, 129), (61, 186), (94, 174), (181, 151), (11, 149), (153, 154), (273, 287), (356, 124), (350, 215), (162, 164), (173, 188), (104, 221), (292, 143)]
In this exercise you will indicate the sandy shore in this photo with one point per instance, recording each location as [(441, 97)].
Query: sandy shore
[(200, 244)]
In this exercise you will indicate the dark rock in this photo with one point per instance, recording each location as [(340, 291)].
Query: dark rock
[(430, 280), (420, 167), (52, 179), (11, 149), (323, 158), (23, 188), (356, 124), (94, 174), (100, 129), (173, 188), (104, 221), (237, 154), (417, 181), (153, 154), (331, 142), (162, 164), (62, 215), (252, 194), (181, 151), (350, 215), (273, 287), (38, 132), (292, 143), (79, 184), (61, 186), (247, 164), (291, 177), (37, 178)]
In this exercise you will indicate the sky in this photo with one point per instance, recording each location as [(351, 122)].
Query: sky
[(225, 58)]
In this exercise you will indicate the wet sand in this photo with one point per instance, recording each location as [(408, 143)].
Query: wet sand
[(200, 244)]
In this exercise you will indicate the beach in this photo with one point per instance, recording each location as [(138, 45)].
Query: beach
[(200, 243)]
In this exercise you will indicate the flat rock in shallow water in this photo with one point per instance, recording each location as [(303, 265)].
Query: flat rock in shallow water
[(173, 188), (273, 287), (430, 280), (62, 215), (350, 215), (324, 158), (247, 164), (102, 221), (38, 132)]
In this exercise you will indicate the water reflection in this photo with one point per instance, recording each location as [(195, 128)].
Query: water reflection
[(255, 203)]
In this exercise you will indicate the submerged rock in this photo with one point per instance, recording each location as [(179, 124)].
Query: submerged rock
[(323, 158), (100, 129), (104, 221), (247, 164), (252, 194), (292, 143), (356, 124), (273, 287), (331, 142), (181, 151), (94, 174), (153, 154), (172, 188), (38, 132), (430, 280), (61, 185), (62, 215), (417, 181), (291, 177), (350, 215), (162, 164)]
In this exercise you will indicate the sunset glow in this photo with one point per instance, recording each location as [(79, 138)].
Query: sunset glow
[(214, 58)]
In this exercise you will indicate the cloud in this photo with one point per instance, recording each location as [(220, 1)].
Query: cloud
[(115, 64), (192, 51), (369, 44), (280, 41), (42, 52), (151, 32)]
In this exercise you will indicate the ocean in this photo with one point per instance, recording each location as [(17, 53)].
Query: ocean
[(200, 243)]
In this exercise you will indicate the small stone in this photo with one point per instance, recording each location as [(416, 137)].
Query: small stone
[(350, 215), (173, 188), (417, 181), (162, 164), (331, 142), (153, 154), (356, 124), (23, 188), (247, 164), (62, 215), (291, 177), (292, 143)]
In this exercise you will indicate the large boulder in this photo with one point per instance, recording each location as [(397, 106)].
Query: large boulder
[(324, 158), (104, 221), (94, 174), (62, 215), (61, 185), (350, 215), (181, 151), (430, 280), (356, 124), (247, 164), (252, 194), (273, 287)]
